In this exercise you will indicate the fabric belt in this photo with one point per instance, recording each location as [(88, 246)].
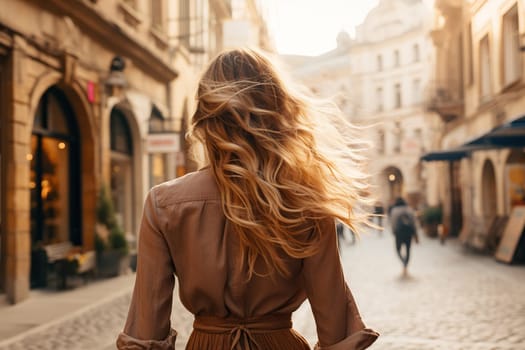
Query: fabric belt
[(242, 330)]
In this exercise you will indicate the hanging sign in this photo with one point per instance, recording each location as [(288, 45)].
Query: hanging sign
[(163, 143)]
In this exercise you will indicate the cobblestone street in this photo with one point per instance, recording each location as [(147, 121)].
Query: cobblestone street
[(452, 299)]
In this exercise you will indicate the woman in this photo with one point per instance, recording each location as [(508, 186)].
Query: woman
[(252, 235)]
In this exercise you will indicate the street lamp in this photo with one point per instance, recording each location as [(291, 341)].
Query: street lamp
[(116, 81)]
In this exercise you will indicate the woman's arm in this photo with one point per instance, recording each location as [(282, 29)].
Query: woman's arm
[(148, 323), (339, 324)]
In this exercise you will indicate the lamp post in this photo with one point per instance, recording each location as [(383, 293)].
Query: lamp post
[(116, 81)]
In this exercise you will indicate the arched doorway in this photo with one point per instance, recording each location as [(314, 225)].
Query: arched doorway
[(55, 177), (392, 178), (55, 172), (489, 193), (121, 176)]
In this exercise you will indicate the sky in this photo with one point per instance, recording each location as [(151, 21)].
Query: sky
[(310, 27)]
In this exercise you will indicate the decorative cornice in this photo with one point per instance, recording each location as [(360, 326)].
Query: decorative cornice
[(110, 35)]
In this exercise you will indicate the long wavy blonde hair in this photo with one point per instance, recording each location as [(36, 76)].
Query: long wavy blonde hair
[(283, 161)]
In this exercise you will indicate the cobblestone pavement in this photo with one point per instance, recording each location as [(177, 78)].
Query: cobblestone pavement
[(452, 299)]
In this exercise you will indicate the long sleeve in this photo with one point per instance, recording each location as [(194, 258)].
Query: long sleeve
[(339, 324), (148, 323)]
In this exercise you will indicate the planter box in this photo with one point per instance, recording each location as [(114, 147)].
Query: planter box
[(109, 263)]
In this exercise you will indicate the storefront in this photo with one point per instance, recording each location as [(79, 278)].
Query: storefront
[(487, 175)]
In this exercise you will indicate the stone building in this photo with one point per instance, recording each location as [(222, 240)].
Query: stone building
[(93, 93), (379, 79), (480, 97)]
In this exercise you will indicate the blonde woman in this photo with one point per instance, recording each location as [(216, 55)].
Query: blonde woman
[(252, 235)]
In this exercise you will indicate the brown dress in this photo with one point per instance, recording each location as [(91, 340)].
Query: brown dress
[(185, 234)]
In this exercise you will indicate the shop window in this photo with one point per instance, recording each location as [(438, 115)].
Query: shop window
[(121, 181), (54, 172), (158, 168), (511, 47)]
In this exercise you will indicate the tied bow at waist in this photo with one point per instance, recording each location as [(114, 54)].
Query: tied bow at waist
[(242, 330)]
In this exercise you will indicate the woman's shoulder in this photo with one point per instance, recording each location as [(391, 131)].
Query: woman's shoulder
[(195, 186)]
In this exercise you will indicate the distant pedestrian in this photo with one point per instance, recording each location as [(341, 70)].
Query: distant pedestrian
[(379, 213), (341, 237), (402, 219)]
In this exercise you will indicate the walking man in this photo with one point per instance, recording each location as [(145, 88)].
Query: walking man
[(403, 223)]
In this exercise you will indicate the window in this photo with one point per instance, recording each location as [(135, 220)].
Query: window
[(398, 135), (416, 91), (396, 58), (157, 18), (184, 22), (415, 50), (379, 97), (131, 3), (485, 70), (379, 63), (397, 96), (381, 142), (511, 47), (418, 135), (470, 63)]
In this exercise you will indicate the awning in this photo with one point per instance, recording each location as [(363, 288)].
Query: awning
[(511, 134), (508, 135), (453, 154)]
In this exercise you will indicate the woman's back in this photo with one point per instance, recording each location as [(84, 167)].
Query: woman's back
[(250, 237)]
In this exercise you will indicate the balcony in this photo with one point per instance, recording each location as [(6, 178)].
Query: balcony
[(446, 101)]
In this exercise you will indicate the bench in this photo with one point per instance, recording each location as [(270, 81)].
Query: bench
[(68, 260)]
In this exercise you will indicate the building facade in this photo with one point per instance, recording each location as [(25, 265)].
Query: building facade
[(481, 88), (81, 97), (96, 94), (379, 79)]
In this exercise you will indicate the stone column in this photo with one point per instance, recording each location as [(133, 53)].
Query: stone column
[(17, 220)]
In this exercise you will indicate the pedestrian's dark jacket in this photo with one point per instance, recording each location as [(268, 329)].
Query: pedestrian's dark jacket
[(403, 233), (185, 234)]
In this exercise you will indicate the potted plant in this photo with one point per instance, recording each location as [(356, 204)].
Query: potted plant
[(431, 218), (110, 241)]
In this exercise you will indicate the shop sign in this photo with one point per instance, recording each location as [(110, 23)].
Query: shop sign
[(91, 92), (512, 235), (163, 143)]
